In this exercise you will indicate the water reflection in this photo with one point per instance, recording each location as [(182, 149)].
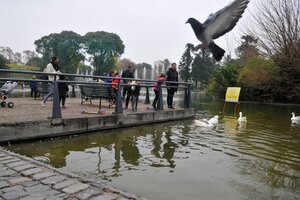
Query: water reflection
[(123, 143), (259, 159)]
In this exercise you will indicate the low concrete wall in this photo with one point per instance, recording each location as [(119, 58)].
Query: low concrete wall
[(46, 128)]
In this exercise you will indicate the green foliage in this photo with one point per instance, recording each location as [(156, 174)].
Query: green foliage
[(259, 79), (248, 48), (222, 78), (66, 45), (24, 67), (105, 49), (185, 63), (2, 62), (36, 61), (202, 67)]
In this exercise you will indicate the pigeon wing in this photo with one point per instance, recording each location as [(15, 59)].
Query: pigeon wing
[(223, 21)]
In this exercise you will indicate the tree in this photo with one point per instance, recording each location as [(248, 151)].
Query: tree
[(223, 77), (105, 49), (259, 79), (36, 61), (27, 55), (202, 67), (67, 45), (278, 25), (10, 56), (185, 63), (248, 48), (125, 62), (2, 62)]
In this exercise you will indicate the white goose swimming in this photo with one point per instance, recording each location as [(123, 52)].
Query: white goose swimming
[(212, 122), (201, 123), (241, 118), (295, 118)]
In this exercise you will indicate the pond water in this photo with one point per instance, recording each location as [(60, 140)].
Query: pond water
[(178, 160)]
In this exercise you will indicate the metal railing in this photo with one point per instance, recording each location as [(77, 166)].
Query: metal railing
[(56, 109)]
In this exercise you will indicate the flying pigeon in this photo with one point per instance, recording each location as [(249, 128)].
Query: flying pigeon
[(217, 24)]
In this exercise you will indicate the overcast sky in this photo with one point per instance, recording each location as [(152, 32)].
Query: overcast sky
[(150, 29)]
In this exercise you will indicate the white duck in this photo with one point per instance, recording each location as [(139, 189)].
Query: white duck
[(201, 123), (241, 118), (295, 118), (214, 120)]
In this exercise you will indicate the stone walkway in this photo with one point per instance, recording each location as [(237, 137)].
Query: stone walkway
[(28, 109), (26, 179)]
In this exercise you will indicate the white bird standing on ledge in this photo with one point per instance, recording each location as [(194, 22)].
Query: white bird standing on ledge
[(241, 118)]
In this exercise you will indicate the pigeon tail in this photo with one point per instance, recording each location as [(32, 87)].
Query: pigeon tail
[(217, 51)]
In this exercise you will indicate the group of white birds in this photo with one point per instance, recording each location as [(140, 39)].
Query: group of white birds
[(214, 121), (242, 119)]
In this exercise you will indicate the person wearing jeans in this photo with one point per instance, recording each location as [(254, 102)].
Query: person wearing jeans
[(52, 67), (159, 81)]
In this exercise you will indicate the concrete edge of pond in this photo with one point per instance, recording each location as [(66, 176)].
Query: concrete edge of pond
[(27, 173), (32, 130)]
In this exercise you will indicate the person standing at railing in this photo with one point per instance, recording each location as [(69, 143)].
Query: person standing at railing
[(108, 77), (52, 67), (172, 75), (157, 86), (135, 93), (128, 73), (115, 82), (33, 88), (62, 90)]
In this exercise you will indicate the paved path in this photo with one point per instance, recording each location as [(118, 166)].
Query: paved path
[(28, 109), (26, 179)]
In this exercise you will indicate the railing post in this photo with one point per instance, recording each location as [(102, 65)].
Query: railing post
[(160, 102), (186, 104), (56, 111), (73, 92), (119, 106), (189, 96), (147, 98)]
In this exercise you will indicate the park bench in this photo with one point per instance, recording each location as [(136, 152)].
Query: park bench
[(89, 92)]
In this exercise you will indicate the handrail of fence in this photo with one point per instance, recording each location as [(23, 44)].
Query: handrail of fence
[(56, 110)]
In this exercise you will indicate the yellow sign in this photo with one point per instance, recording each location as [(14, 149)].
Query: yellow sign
[(232, 94)]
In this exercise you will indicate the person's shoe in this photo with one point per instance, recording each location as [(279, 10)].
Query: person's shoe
[(43, 104), (154, 107), (64, 107), (171, 107)]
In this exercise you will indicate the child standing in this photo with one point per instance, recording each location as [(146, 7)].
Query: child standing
[(135, 93), (159, 81), (63, 90), (114, 85)]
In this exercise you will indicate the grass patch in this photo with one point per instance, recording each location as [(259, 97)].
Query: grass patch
[(24, 67)]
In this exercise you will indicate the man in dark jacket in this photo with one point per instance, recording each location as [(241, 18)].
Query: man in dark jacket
[(172, 75), (128, 73), (63, 90)]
